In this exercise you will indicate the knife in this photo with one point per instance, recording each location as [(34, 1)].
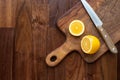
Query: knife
[(98, 23)]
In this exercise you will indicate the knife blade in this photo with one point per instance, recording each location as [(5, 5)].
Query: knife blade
[(98, 23)]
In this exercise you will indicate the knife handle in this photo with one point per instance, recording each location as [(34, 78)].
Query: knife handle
[(107, 40)]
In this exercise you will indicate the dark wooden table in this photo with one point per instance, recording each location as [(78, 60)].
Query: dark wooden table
[(28, 32)]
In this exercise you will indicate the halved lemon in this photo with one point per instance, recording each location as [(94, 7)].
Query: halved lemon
[(90, 44), (76, 28)]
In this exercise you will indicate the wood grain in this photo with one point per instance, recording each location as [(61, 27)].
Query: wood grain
[(118, 62), (30, 44), (78, 12), (23, 56), (86, 71), (35, 35), (6, 53), (9, 9), (40, 21)]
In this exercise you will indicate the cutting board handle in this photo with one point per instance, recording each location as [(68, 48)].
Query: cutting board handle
[(58, 54)]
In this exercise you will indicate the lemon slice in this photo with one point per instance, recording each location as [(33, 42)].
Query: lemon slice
[(90, 44), (76, 28)]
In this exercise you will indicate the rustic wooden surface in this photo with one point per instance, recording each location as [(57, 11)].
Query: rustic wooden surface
[(6, 53), (30, 34), (73, 43)]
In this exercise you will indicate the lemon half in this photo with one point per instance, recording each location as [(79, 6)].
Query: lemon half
[(76, 28), (90, 44)]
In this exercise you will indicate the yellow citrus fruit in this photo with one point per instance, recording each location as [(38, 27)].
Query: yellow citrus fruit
[(90, 44), (76, 28)]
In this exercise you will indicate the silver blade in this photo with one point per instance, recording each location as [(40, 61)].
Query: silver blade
[(92, 14)]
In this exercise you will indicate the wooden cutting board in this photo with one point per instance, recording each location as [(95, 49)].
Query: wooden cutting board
[(108, 11)]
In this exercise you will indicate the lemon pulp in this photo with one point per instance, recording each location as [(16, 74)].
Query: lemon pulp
[(90, 44), (86, 44), (76, 27)]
